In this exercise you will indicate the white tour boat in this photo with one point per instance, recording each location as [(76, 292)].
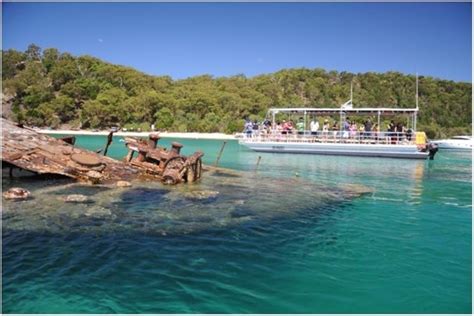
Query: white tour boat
[(409, 144), (463, 143)]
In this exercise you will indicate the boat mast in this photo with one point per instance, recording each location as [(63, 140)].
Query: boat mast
[(351, 91), (416, 100), (342, 114), (304, 124), (273, 120), (378, 120), (416, 91)]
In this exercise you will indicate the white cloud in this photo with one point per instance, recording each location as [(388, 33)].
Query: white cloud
[(100, 40)]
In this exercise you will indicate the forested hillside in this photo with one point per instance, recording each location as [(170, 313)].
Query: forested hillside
[(50, 88)]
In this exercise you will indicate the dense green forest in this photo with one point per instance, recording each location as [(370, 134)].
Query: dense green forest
[(50, 88)]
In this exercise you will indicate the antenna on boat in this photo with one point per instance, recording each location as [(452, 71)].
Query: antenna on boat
[(351, 90), (348, 104), (416, 90), (416, 101)]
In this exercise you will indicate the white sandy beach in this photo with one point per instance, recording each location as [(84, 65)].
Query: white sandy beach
[(218, 136)]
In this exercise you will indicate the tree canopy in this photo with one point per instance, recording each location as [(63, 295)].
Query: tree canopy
[(50, 88)]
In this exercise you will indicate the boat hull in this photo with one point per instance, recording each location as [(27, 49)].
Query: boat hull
[(454, 146), (345, 149)]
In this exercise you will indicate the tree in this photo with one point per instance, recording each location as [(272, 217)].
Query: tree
[(12, 62), (164, 118), (107, 110), (93, 114), (64, 70), (50, 57), (62, 107), (33, 53), (81, 89), (55, 88)]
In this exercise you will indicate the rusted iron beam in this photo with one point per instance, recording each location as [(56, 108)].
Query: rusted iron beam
[(170, 164), (25, 148)]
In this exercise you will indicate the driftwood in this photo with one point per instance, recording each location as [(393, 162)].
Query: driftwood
[(26, 149)]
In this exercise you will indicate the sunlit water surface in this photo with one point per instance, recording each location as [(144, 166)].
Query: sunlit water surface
[(301, 234)]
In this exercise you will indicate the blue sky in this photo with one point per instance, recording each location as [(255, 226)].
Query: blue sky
[(222, 39)]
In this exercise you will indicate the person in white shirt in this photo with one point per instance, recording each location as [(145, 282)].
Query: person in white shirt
[(314, 126), (325, 128)]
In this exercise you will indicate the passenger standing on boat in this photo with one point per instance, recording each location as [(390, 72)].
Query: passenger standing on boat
[(290, 127), (391, 132), (255, 128), (367, 128), (399, 130), (284, 127), (325, 128), (347, 124), (353, 129), (335, 129), (361, 132), (409, 134), (300, 126), (248, 127), (347, 128), (376, 131), (279, 129), (266, 126), (314, 126)]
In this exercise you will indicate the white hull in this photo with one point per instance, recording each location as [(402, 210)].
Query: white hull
[(342, 149), (454, 144)]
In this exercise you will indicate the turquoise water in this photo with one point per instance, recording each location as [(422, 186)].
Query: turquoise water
[(291, 237)]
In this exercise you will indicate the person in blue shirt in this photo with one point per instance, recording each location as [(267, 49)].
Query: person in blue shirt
[(347, 125)]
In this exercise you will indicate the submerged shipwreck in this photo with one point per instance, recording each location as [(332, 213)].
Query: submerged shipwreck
[(26, 149), (222, 199)]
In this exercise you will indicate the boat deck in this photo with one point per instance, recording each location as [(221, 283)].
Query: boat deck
[(393, 145), (335, 137)]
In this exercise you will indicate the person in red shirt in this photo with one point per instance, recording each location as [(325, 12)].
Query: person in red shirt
[(286, 127)]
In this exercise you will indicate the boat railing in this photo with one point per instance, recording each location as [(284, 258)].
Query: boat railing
[(346, 137)]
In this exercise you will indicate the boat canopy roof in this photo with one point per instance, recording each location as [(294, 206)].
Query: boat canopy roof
[(347, 110)]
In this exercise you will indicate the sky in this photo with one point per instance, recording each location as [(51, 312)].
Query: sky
[(223, 39)]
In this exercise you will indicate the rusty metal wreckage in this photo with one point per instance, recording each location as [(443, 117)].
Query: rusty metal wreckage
[(24, 148)]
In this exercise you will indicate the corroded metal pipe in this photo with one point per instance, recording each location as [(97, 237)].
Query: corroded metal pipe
[(220, 154), (153, 140), (176, 147), (109, 141), (141, 156)]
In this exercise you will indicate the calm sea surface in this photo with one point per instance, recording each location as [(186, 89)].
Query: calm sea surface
[(295, 236)]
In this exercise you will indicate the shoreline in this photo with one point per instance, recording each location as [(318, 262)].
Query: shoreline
[(219, 136)]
